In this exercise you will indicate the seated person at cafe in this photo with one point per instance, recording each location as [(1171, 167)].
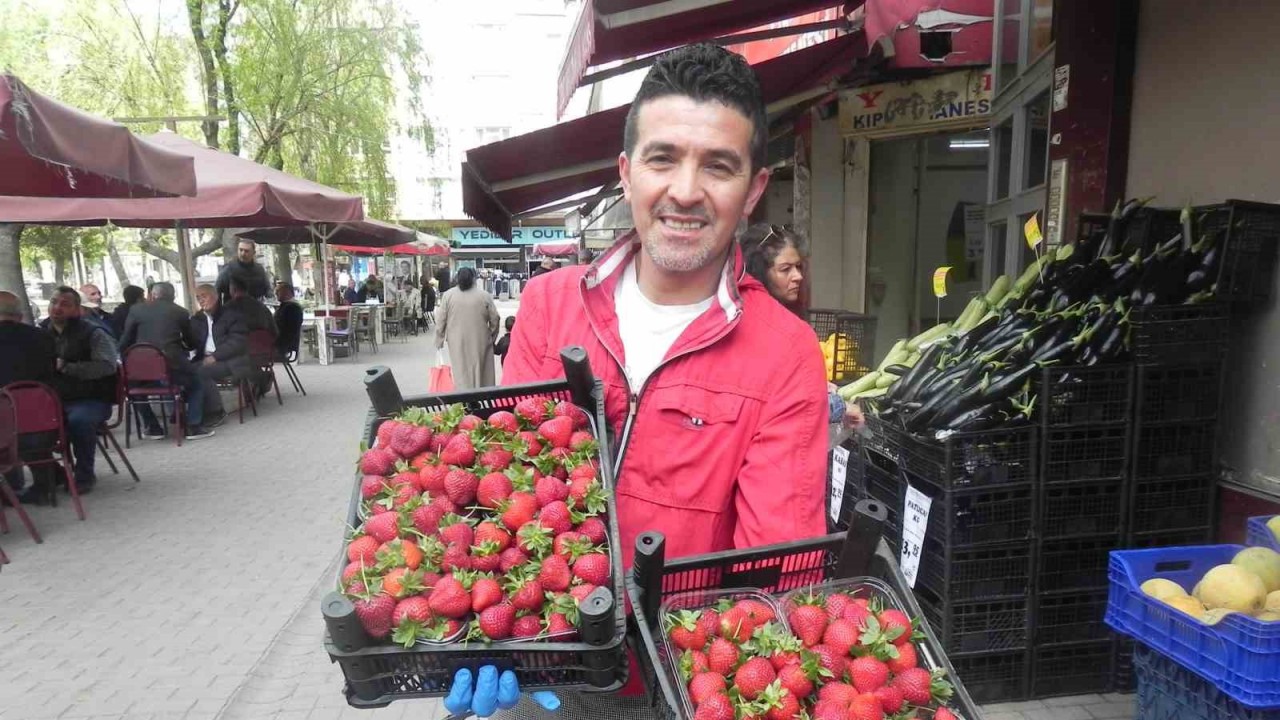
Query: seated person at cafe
[(85, 378), (26, 353), (161, 322), (222, 345), (91, 309), (288, 321), (257, 316)]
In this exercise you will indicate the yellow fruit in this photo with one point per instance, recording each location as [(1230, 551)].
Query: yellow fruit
[(1160, 588), (1215, 616), (1274, 526), (1232, 587), (1263, 562), (1272, 603), (1186, 604), (1268, 616)]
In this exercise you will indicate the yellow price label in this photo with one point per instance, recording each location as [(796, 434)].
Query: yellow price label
[(1032, 231), (940, 281)]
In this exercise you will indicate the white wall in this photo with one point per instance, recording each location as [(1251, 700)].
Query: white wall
[(1203, 130), (827, 241)]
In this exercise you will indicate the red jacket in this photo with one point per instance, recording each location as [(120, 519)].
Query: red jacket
[(729, 440)]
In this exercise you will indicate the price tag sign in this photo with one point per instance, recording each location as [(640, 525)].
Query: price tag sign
[(839, 470), (940, 281), (1032, 231), (915, 519)]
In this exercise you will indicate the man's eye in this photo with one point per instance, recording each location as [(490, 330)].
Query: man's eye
[(659, 159)]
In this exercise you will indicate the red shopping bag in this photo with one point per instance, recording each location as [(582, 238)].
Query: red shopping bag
[(441, 379)]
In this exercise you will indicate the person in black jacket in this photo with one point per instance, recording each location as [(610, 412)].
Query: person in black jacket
[(222, 346), (164, 324), (26, 353), (132, 296), (246, 269), (288, 321)]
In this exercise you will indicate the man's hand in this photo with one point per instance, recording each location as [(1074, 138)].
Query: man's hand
[(491, 693), (209, 360), (853, 416), (59, 364)]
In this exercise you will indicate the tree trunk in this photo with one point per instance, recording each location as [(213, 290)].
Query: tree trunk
[(208, 74), (283, 267), (317, 275), (116, 263), (225, 12), (11, 266), (149, 242), (60, 270)]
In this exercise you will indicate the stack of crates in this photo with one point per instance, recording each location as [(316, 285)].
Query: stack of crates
[(853, 350)]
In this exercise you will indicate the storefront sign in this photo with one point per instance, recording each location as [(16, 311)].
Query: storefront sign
[(528, 235), (1061, 84), (1057, 201), (939, 102)]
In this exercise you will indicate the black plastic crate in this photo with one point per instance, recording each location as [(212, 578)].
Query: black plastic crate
[(955, 574), (1082, 508), (995, 677), (965, 460), (1075, 563), (1073, 616), (1123, 678), (1169, 691), (855, 485), (1075, 669), (1170, 538), (1076, 454), (1084, 396), (854, 353), (1178, 393), (1179, 334), (376, 675), (1174, 450), (980, 516), (1246, 274), (1149, 227), (981, 626), (1171, 504)]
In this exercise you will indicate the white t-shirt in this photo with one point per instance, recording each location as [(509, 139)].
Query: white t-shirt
[(209, 346), (648, 330)]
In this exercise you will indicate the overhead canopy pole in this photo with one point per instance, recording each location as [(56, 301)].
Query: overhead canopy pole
[(184, 266)]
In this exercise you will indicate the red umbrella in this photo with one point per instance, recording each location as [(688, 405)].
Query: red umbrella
[(48, 149), (363, 234), (565, 249)]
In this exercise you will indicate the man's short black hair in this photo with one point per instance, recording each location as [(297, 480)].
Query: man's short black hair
[(238, 283), (133, 293), (64, 290), (705, 73)]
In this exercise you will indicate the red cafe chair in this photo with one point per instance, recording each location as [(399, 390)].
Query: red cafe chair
[(146, 379), (10, 460), (39, 410)]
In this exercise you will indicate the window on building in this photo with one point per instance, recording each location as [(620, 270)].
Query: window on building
[(491, 134), (1037, 141)]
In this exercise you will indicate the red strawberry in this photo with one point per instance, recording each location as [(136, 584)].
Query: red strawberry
[(409, 440), (469, 423), (796, 680), (532, 410), (371, 485), (455, 531), (405, 494), (485, 559), (383, 528), (562, 457), (693, 662), (915, 685), (493, 489), (580, 592), (440, 441), (685, 633), (582, 440), (895, 619), (566, 543), (835, 604), (426, 519), (460, 487), (496, 459), (511, 558), (736, 625), (527, 627), (838, 692), (378, 508), (422, 460), (519, 510), (375, 614), (555, 574), (533, 446), (351, 572), (842, 635), (906, 659), (445, 504), (485, 592), (412, 609), (491, 532), (549, 489), (782, 705), (831, 660), (556, 432), (573, 412), (377, 461), (943, 714), (385, 431), (709, 621), (753, 677), (456, 557), (716, 707), (704, 685), (891, 699), (505, 421), (759, 612), (866, 707), (496, 621), (449, 599), (459, 452), (868, 674), (558, 624), (595, 530), (431, 479), (827, 710), (363, 549), (593, 568), (858, 614), (528, 595), (585, 471), (722, 656), (808, 622), (555, 517)]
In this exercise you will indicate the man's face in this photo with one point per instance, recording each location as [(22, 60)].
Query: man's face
[(207, 300), (91, 294), (689, 180), (245, 252), (282, 293), (63, 307), (351, 284)]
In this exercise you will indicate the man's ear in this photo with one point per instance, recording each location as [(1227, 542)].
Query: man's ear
[(624, 174), (758, 183)]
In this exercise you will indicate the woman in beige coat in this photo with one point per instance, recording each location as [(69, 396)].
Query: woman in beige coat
[(468, 321)]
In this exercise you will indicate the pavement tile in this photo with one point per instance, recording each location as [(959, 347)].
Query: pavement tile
[(1058, 712), (1113, 710)]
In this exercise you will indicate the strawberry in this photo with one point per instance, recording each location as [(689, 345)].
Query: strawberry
[(456, 557), (905, 660), (757, 611), (580, 592), (560, 457), (858, 614), (586, 494), (548, 490), (559, 624), (496, 621), (460, 487), (891, 699), (582, 441), (704, 685), (782, 704), (445, 504), (555, 574), (527, 595), (831, 660), (555, 517), (426, 519), (534, 539), (892, 621), (842, 635), (532, 410), (827, 710), (375, 614), (485, 558), (868, 674), (505, 421), (685, 633), (397, 582), (573, 412), (449, 599), (422, 460), (518, 510), (363, 549), (401, 552), (409, 440), (836, 603), (385, 431), (570, 544), (533, 445), (371, 485), (709, 621), (496, 459), (556, 432), (736, 625), (431, 479), (383, 528), (753, 677), (943, 714), (377, 461), (716, 707), (526, 627), (866, 707), (585, 471), (593, 568), (493, 489), (809, 623), (469, 423), (351, 572), (795, 680), (915, 684), (455, 530), (693, 662), (722, 656), (459, 452), (412, 609), (838, 692), (405, 494), (489, 531), (511, 558), (594, 529)]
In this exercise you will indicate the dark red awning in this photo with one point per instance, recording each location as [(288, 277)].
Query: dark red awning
[(609, 30), (535, 169)]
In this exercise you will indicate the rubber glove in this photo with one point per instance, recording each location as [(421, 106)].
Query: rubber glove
[(491, 693)]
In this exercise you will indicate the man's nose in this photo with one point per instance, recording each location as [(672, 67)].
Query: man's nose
[(686, 185)]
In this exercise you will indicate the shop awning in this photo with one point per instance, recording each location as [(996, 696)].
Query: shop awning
[(530, 171), (361, 233), (562, 249), (609, 30)]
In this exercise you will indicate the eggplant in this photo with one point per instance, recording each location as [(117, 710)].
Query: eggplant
[(920, 419), (1113, 226), (896, 370), (959, 403), (906, 386), (1009, 384), (971, 339), (968, 419), (1112, 344)]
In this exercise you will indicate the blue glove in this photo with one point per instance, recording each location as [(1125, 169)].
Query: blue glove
[(835, 408), (491, 693)]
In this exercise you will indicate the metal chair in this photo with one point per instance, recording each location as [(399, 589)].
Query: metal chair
[(391, 319), (342, 334), (10, 460), (146, 379), (107, 439), (39, 411), (362, 328), (262, 351)]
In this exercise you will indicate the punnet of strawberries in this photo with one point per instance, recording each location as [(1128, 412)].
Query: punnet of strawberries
[(839, 655), (479, 529)]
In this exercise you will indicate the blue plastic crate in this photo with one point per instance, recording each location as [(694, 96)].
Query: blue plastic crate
[(1239, 655), (1168, 691), (1259, 535)]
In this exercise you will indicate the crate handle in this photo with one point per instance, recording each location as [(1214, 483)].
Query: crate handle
[(1168, 566), (861, 540), (384, 393), (577, 371), (647, 569)]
